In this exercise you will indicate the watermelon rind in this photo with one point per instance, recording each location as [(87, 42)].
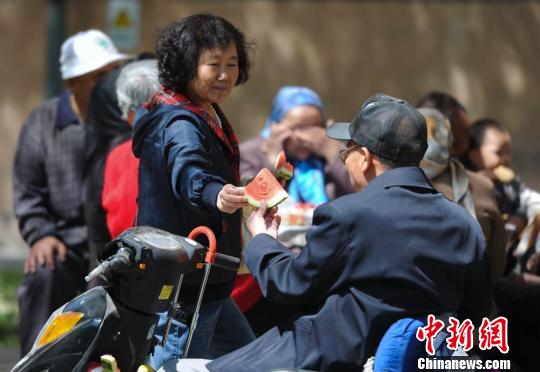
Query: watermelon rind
[(283, 169), (270, 203), (280, 160), (284, 173)]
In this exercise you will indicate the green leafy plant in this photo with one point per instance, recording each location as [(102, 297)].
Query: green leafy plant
[(9, 312)]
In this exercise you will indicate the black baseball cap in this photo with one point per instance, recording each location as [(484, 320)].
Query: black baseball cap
[(389, 127)]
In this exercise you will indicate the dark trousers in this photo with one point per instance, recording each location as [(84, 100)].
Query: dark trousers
[(45, 290)]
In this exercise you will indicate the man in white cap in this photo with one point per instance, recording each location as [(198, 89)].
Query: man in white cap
[(48, 173)]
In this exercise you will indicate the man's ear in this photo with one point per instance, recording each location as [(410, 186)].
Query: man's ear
[(368, 159)]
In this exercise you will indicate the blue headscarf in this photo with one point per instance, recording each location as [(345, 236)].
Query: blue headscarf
[(307, 184)]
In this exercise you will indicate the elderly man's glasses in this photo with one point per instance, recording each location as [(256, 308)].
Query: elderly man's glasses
[(343, 154)]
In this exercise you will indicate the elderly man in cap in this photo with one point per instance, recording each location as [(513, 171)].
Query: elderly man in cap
[(396, 248), (48, 184)]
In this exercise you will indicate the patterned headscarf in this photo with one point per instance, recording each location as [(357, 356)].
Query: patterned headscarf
[(437, 158)]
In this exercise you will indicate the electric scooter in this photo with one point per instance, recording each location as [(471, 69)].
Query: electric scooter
[(145, 267)]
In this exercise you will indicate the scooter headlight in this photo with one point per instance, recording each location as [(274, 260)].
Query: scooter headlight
[(58, 326)]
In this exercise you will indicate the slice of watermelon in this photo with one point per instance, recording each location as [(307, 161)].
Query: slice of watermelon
[(265, 187), (284, 170)]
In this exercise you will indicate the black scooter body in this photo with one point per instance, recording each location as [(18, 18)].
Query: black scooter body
[(107, 327), (120, 319)]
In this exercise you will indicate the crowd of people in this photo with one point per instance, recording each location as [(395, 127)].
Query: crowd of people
[(403, 212)]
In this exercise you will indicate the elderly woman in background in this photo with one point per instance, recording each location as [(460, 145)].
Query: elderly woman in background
[(458, 118), (136, 84), (189, 166), (472, 191), (297, 125)]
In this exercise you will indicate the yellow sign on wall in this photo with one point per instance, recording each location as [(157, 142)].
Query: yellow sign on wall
[(124, 23)]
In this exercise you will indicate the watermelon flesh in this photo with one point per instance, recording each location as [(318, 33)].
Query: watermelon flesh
[(284, 170), (265, 188)]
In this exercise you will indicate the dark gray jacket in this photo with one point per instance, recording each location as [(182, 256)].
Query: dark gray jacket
[(48, 172)]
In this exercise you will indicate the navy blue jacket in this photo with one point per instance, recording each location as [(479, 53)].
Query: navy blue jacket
[(398, 248), (182, 169)]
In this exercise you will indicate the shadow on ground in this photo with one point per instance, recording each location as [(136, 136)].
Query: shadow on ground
[(8, 357)]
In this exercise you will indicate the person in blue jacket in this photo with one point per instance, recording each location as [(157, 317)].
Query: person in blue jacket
[(189, 167), (396, 248)]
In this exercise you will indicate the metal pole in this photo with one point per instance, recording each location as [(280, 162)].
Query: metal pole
[(169, 318), (195, 319), (55, 34)]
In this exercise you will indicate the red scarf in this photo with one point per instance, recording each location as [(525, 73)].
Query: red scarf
[(225, 132)]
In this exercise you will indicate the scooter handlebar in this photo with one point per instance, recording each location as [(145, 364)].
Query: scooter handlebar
[(212, 257), (226, 262), (212, 244), (122, 258)]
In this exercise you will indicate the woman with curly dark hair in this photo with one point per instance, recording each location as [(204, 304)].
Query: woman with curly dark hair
[(189, 166)]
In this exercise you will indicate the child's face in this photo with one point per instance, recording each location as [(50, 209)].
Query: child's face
[(494, 151)]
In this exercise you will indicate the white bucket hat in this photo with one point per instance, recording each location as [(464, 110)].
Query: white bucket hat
[(87, 51)]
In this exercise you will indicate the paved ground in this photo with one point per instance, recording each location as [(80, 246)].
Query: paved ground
[(8, 358)]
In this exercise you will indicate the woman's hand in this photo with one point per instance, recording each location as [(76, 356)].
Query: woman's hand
[(230, 198), (278, 135), (264, 221)]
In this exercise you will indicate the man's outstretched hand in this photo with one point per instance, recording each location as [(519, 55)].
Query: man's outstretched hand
[(264, 221), (43, 252)]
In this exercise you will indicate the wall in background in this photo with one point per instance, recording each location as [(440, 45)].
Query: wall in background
[(22, 66), (486, 54)]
